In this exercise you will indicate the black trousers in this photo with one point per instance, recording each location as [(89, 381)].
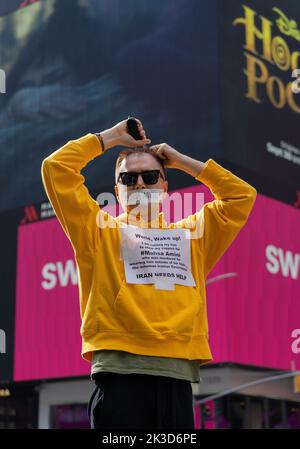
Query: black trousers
[(140, 401)]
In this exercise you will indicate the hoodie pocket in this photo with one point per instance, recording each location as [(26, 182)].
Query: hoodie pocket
[(141, 308)]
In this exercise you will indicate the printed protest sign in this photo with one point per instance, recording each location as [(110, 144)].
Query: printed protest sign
[(159, 256)]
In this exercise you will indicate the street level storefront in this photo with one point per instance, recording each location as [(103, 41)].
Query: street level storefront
[(230, 396), (18, 405)]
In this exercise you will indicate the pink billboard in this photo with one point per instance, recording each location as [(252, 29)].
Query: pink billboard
[(252, 296)]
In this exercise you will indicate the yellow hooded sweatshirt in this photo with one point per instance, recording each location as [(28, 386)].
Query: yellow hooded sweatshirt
[(138, 318)]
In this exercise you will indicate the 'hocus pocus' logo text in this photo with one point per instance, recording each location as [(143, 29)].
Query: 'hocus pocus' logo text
[(265, 51)]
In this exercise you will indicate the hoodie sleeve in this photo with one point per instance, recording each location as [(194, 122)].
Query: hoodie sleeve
[(221, 219), (75, 209)]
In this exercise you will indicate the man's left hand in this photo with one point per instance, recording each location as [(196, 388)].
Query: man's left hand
[(174, 159), (171, 157)]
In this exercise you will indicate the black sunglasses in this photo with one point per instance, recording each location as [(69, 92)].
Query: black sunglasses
[(129, 178)]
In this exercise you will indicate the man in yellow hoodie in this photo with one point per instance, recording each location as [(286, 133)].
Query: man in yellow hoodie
[(146, 337)]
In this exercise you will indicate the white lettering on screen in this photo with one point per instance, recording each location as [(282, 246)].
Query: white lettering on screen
[(59, 274)]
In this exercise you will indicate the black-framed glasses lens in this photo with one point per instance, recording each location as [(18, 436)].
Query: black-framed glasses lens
[(130, 178)]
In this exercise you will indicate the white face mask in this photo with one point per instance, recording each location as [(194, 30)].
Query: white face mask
[(142, 197)]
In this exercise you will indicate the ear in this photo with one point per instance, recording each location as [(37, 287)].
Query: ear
[(116, 191), (165, 193)]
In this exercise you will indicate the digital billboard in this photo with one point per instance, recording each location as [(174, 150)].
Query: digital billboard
[(79, 66), (260, 94), (252, 296)]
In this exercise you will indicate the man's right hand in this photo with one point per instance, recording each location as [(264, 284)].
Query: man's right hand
[(118, 135)]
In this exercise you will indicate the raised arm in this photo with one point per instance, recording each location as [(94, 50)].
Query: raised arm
[(64, 184), (75, 209), (221, 219), (225, 216)]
